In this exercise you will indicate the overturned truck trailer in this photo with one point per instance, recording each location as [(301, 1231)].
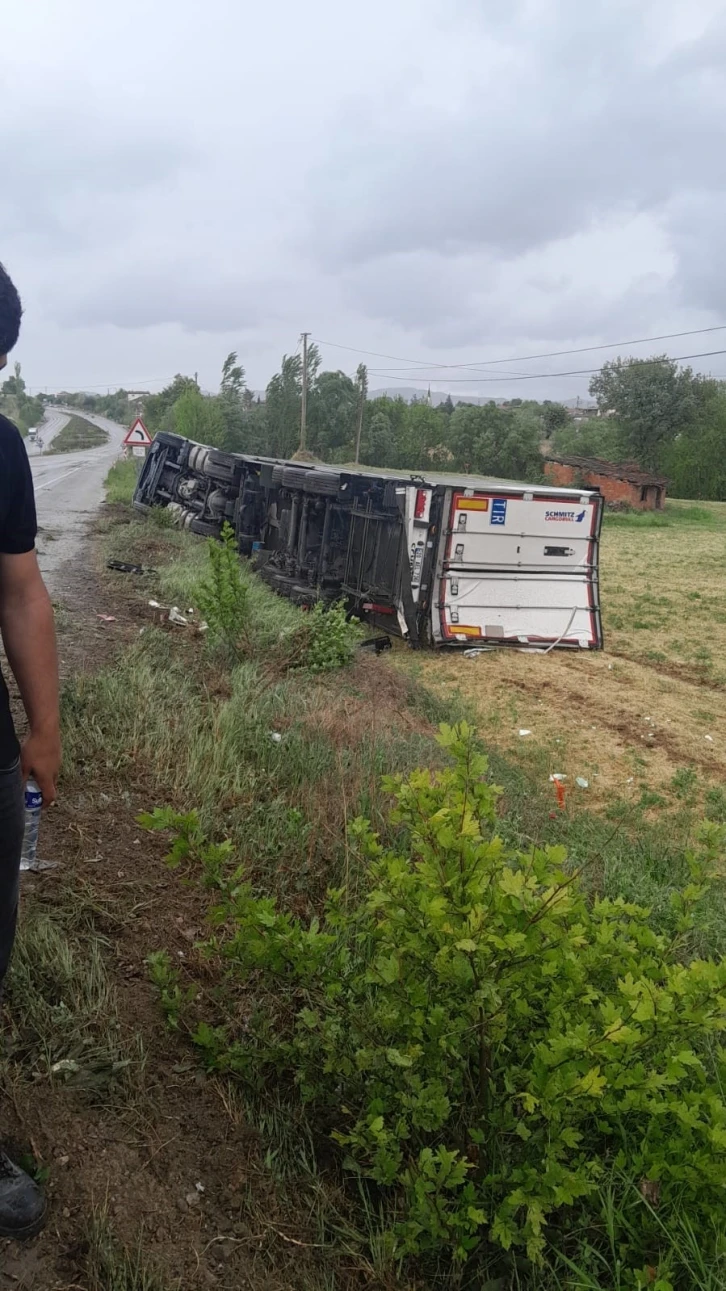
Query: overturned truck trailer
[(436, 559)]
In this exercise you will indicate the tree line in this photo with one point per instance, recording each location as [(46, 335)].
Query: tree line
[(24, 409), (666, 418), (500, 441)]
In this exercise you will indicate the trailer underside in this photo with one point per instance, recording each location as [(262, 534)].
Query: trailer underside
[(436, 561)]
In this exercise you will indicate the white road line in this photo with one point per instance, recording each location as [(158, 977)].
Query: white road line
[(57, 479)]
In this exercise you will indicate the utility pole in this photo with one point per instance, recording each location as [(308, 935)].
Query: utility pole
[(304, 401), (362, 375)]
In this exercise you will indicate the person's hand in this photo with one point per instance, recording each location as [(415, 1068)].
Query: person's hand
[(40, 757)]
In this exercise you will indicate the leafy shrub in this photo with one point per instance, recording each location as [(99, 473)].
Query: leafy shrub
[(480, 1040), (222, 596), (324, 641)]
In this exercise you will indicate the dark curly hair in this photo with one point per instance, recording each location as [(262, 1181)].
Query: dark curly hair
[(11, 312)]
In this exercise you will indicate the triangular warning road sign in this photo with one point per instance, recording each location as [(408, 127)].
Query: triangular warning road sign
[(138, 436)]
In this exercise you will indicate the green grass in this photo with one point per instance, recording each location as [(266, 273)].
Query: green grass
[(672, 514), (624, 851), (78, 436), (63, 1002), (121, 479), (111, 1267)]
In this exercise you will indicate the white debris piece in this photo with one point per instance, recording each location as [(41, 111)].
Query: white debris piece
[(582, 782), (524, 732), (65, 1065)]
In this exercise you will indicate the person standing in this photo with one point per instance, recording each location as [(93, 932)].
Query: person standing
[(28, 633)]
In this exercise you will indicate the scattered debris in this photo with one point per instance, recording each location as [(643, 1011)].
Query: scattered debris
[(106, 618), (172, 614), (709, 738), (124, 567), (38, 867), (560, 794), (557, 775), (582, 782), (377, 644), (66, 1066), (276, 736), (525, 732)]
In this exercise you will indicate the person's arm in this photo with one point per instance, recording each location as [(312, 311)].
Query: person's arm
[(28, 632)]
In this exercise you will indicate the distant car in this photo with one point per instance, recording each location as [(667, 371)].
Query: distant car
[(32, 433)]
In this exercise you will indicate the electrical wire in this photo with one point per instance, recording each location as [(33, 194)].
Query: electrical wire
[(541, 376), (525, 358)]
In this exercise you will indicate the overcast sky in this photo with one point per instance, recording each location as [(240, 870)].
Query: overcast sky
[(449, 181)]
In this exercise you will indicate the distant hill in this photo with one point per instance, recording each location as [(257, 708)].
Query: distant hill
[(410, 393)]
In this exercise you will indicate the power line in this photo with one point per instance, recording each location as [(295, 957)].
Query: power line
[(109, 385), (540, 376), (352, 349), (526, 358)]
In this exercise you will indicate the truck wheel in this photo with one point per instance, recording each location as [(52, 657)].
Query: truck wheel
[(294, 477), (206, 528), (168, 440), (220, 466), (198, 455), (326, 483)]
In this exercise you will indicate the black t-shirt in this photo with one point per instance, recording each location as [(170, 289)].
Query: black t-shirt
[(18, 530)]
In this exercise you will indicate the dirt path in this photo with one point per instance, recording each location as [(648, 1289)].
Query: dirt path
[(157, 1157)]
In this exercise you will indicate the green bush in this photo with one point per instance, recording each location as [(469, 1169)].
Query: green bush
[(322, 642), (481, 1041), (221, 596)]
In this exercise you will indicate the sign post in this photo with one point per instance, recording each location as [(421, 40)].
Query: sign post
[(137, 440)]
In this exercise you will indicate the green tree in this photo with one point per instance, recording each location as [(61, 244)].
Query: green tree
[(158, 408), (376, 443), (230, 403), (495, 441), (283, 402), (653, 399), (15, 385), (332, 408), (597, 437), (422, 438), (554, 415), (695, 462)]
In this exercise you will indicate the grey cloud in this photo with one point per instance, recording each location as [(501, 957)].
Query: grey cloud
[(584, 127), (198, 300), (437, 179), (60, 167), (696, 224)]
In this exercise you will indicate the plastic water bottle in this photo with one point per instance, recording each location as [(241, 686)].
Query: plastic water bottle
[(33, 805)]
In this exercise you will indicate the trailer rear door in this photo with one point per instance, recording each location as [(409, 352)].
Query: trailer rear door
[(520, 567)]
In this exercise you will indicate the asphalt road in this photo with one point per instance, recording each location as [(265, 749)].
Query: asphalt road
[(68, 489)]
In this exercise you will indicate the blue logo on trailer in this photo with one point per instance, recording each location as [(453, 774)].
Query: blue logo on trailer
[(499, 511)]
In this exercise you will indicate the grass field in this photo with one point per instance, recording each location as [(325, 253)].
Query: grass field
[(643, 721), (77, 436)]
